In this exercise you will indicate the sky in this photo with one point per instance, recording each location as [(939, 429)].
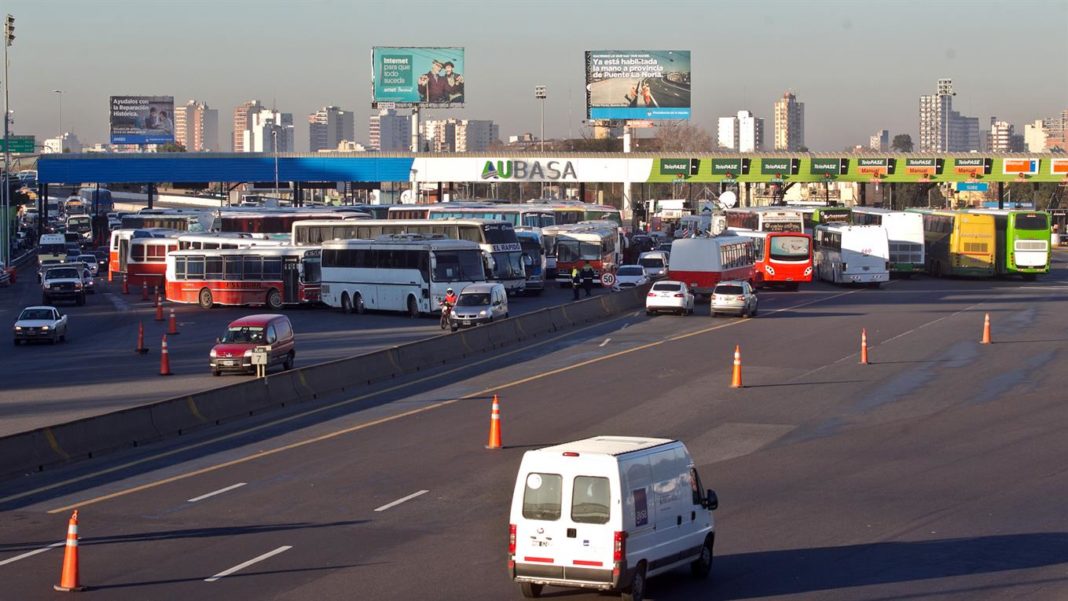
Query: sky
[(859, 66)]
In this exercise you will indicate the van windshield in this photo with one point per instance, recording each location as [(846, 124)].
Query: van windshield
[(590, 500), (541, 497), (475, 299), (244, 335)]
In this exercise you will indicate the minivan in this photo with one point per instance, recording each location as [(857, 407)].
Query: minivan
[(233, 351), (607, 513), (479, 303), (655, 263)]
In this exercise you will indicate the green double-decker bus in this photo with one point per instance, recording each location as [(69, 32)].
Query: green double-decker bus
[(1023, 242)]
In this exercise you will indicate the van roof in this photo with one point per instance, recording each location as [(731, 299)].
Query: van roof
[(258, 320), (608, 445)]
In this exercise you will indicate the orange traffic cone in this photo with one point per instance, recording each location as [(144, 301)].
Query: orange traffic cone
[(986, 330), (144, 290), (141, 348), (736, 377), (495, 425), (159, 308), (125, 284), (172, 325), (863, 346), (68, 579), (164, 359)]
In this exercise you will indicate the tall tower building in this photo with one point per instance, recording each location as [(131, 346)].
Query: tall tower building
[(1000, 137), (742, 132), (880, 140), (242, 121), (196, 127), (789, 123), (389, 132), (265, 128), (328, 126), (460, 135)]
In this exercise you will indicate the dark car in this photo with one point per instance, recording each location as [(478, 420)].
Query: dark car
[(103, 258)]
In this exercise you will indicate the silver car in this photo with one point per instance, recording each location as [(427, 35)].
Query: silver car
[(734, 296)]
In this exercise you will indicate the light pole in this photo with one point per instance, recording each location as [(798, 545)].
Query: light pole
[(59, 94), (5, 238), (541, 93)]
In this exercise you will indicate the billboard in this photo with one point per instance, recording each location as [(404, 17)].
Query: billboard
[(142, 119), (431, 77), (638, 84)]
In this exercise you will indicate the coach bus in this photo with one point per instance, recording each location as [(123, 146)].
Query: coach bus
[(406, 272), (704, 262), (782, 258), (852, 254), (531, 242), (259, 276), (813, 215), (596, 243), (264, 223), (958, 243), (518, 215), (408, 212), (765, 219), (501, 249), (1022, 240), (170, 219), (904, 232)]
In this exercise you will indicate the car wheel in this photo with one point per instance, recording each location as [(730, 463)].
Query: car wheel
[(205, 299), (357, 304), (413, 308), (635, 591), (216, 373), (530, 590), (454, 328), (346, 304), (703, 564), (288, 363), (81, 299), (274, 300), (648, 312)]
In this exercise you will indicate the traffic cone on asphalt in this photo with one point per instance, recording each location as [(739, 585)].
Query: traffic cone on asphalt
[(141, 348), (125, 284), (495, 425), (159, 308), (144, 290), (172, 325), (68, 579), (863, 346), (736, 376), (986, 330), (164, 359)]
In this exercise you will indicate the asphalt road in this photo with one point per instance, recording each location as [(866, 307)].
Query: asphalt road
[(97, 371), (935, 472)]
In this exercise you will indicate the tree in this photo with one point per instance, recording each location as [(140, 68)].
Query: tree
[(170, 147), (681, 136), (902, 143)]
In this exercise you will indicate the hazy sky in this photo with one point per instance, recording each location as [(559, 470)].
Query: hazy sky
[(858, 66)]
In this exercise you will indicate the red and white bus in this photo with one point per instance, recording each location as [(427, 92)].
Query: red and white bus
[(183, 220), (782, 258), (701, 263), (119, 247), (766, 219), (258, 276), (278, 222), (222, 241), (146, 262), (575, 245)]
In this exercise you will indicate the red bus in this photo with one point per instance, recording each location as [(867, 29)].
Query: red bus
[(702, 263), (574, 245), (275, 222), (146, 262), (257, 276), (782, 258), (119, 248)]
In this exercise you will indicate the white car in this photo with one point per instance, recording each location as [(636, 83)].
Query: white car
[(91, 263), (655, 263), (631, 276), (670, 296), (736, 297), (41, 323)]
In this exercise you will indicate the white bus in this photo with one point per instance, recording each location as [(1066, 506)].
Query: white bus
[(517, 215), (766, 219), (852, 254), (530, 240), (231, 240), (406, 273), (904, 233), (501, 250)]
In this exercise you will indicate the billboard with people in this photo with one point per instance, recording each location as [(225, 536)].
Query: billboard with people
[(638, 84), (142, 119), (404, 76)]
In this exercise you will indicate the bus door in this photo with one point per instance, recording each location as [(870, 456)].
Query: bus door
[(291, 280)]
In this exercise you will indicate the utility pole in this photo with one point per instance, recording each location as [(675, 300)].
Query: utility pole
[(5, 257)]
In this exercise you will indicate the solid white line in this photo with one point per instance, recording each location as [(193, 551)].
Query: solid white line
[(218, 492), (624, 326), (402, 500), (242, 566), (32, 553), (606, 341)]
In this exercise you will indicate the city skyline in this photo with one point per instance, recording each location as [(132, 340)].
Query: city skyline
[(883, 59)]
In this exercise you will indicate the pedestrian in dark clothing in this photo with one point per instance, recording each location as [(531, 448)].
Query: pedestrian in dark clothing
[(575, 281), (587, 279)]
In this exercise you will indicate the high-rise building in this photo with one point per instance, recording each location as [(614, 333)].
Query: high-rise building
[(459, 135), (389, 132), (789, 123), (1000, 137), (880, 140), (943, 129), (196, 127), (265, 128), (328, 127), (742, 132), (242, 122), (1035, 136)]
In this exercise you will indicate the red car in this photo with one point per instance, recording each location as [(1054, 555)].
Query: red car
[(233, 351)]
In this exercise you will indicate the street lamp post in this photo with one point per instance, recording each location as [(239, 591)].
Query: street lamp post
[(541, 93), (5, 238)]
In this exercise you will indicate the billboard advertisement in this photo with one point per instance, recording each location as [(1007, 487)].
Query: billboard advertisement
[(142, 119), (638, 84), (431, 77)]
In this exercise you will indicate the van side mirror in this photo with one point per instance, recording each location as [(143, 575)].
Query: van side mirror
[(711, 500)]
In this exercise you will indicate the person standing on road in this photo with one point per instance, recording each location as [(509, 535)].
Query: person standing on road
[(575, 280), (587, 279)]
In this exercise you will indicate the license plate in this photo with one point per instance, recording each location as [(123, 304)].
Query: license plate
[(467, 322), (229, 363)]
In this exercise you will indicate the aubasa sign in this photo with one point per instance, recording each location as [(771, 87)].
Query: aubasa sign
[(519, 170)]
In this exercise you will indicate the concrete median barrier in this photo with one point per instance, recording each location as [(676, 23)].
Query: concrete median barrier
[(37, 450)]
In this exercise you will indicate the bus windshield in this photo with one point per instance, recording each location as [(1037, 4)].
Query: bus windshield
[(508, 266), (495, 234), (574, 250), (789, 248), (1032, 221), (459, 266)]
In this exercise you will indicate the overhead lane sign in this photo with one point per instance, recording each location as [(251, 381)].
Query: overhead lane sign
[(1019, 166)]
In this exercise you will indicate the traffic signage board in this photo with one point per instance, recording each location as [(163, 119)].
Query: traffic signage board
[(825, 166), (725, 166), (1058, 166), (972, 186), (608, 278), (774, 166), (1019, 166), (17, 144)]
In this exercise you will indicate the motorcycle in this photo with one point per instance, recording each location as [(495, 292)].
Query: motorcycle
[(446, 310)]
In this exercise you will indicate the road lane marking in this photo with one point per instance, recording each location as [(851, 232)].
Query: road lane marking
[(267, 453), (217, 492), (32, 553), (241, 566), (402, 500), (624, 326), (606, 341)]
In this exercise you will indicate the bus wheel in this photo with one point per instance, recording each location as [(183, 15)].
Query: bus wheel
[(357, 304), (346, 304), (413, 308), (205, 299), (274, 300)]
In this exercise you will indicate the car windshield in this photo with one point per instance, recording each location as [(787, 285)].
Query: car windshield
[(730, 289), (631, 271), (61, 272), (244, 335), (28, 314), (668, 287), (477, 299), (87, 258)]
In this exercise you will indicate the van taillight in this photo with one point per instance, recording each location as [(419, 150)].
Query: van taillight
[(511, 539), (570, 454), (651, 294), (619, 546)]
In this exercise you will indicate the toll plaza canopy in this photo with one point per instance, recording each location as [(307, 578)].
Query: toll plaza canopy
[(866, 167)]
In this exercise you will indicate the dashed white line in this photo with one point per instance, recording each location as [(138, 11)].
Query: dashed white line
[(242, 566), (606, 341), (32, 553), (624, 326), (217, 492), (402, 500)]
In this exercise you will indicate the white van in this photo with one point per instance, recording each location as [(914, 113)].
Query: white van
[(655, 263), (606, 513)]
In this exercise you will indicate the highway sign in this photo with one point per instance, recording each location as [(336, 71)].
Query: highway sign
[(18, 144), (1019, 166), (607, 279), (826, 166), (972, 186)]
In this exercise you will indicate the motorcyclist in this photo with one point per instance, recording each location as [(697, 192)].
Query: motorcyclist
[(450, 299)]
